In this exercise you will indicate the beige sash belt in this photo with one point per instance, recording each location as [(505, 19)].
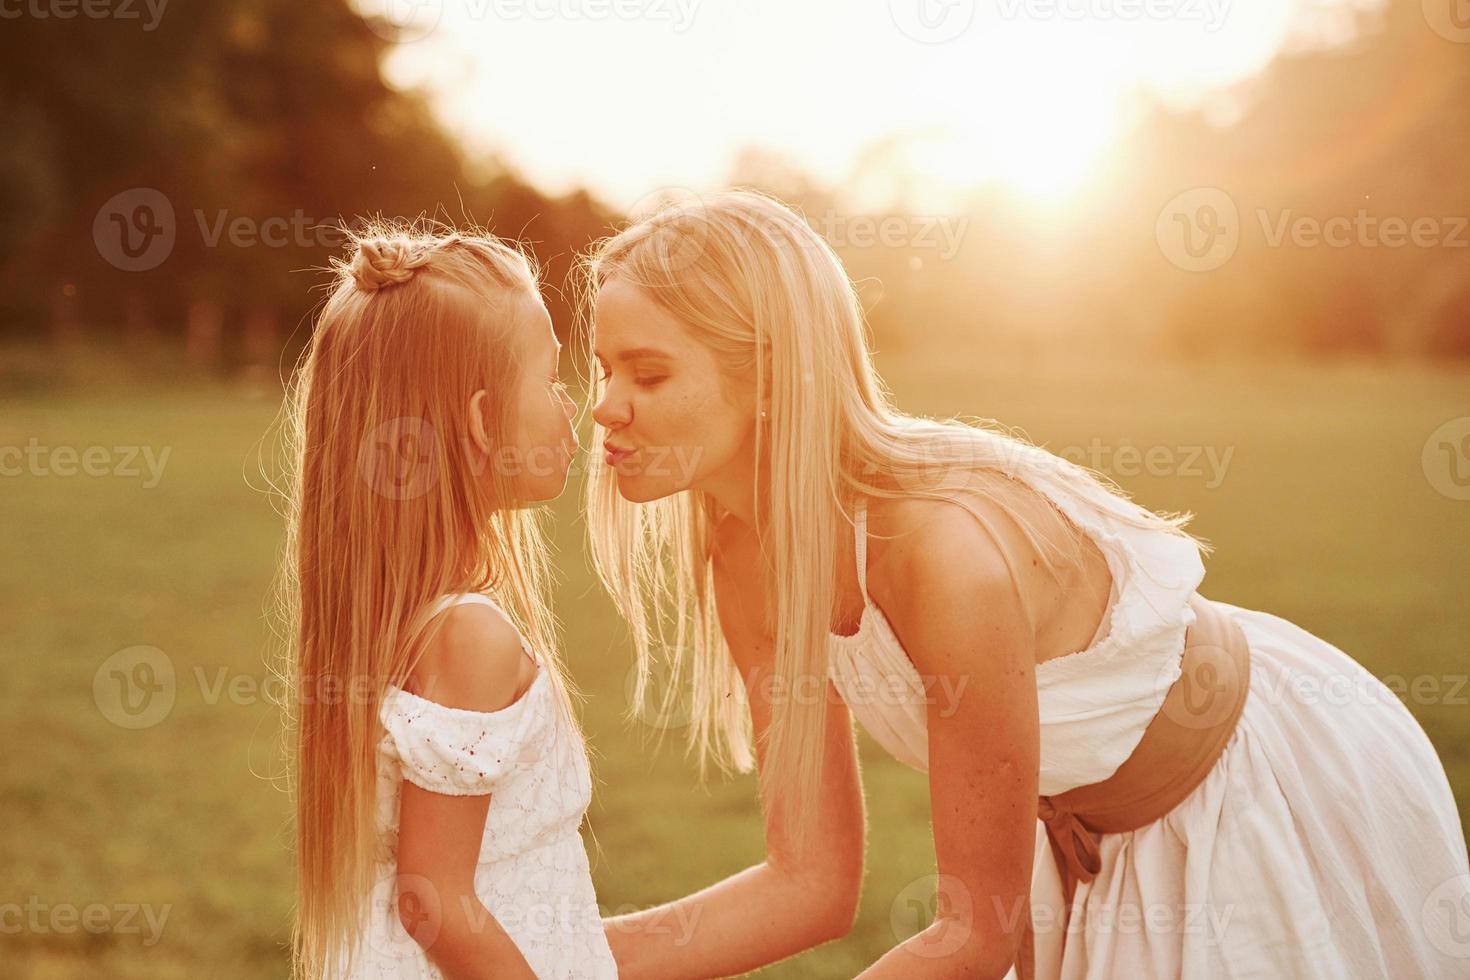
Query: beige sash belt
[(1179, 747)]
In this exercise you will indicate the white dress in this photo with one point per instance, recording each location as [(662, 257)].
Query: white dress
[(1324, 843), (532, 873)]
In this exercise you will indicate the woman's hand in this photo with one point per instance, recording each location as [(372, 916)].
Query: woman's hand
[(795, 899)]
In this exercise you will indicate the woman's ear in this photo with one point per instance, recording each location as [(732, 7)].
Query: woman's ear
[(479, 418)]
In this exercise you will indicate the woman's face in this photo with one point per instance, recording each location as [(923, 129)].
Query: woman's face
[(674, 421)]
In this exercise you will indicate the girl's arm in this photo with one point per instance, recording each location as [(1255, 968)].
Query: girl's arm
[(438, 845), (959, 618), (474, 662), (795, 899)]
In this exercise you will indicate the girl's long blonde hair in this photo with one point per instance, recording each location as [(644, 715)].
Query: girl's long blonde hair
[(390, 507), (750, 278)]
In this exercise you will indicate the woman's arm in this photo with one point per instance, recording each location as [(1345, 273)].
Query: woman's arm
[(793, 900), (956, 610), (474, 662)]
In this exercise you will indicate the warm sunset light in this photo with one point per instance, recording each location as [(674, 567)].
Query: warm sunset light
[(1028, 92), (807, 489)]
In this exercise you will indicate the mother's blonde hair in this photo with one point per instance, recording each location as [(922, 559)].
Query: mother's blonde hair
[(390, 506), (748, 277)]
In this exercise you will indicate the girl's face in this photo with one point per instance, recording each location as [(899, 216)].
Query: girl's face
[(672, 421), (545, 443)]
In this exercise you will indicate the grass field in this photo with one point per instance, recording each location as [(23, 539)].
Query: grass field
[(1308, 481)]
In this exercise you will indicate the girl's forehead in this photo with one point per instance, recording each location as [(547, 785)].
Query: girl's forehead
[(531, 331)]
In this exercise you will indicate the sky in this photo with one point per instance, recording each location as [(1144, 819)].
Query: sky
[(630, 97)]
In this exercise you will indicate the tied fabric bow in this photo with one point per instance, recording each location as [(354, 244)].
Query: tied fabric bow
[(1072, 844), (1078, 859)]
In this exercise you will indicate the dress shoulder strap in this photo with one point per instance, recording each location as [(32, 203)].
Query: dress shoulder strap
[(860, 546), (462, 598), (480, 599)]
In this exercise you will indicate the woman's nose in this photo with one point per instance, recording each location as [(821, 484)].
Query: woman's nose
[(610, 412)]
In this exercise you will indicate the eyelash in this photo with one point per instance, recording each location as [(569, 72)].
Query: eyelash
[(640, 382)]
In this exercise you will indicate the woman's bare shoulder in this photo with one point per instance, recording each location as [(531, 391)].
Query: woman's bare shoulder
[(974, 538), (910, 535)]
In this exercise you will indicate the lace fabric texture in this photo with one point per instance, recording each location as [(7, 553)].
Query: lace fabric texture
[(532, 873)]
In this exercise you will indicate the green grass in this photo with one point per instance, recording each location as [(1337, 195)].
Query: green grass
[(1324, 516)]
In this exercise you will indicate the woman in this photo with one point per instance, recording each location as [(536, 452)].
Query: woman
[(1102, 743)]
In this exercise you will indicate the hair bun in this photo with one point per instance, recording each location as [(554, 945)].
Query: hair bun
[(383, 262)]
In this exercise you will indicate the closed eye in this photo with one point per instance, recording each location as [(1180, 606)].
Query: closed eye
[(643, 381)]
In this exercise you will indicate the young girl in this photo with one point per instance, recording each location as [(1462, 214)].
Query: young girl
[(441, 776), (1126, 779)]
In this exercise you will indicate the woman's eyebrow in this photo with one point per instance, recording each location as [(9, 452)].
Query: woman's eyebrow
[(635, 353)]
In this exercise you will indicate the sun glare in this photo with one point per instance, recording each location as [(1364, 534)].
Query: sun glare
[(1028, 101)]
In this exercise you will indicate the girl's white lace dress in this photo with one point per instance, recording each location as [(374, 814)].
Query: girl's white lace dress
[(533, 874)]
